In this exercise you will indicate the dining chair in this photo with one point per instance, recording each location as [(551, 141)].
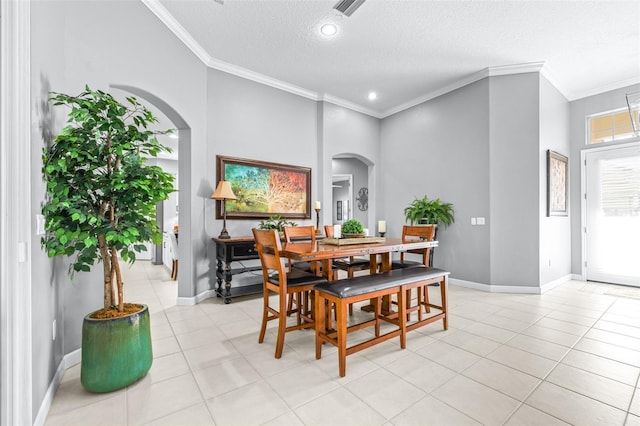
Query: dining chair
[(409, 233), (350, 264), (300, 234), (415, 232), (276, 279)]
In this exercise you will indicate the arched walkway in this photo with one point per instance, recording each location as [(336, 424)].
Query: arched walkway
[(185, 272)]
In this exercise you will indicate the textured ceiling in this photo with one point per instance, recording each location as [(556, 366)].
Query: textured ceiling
[(409, 51)]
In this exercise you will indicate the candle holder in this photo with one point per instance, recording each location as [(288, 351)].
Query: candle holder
[(318, 232)]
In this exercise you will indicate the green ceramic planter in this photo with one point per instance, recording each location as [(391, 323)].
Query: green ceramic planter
[(115, 352)]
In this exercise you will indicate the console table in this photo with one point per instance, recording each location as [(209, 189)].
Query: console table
[(233, 250)]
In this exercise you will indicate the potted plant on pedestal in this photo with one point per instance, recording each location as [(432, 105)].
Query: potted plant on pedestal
[(101, 200), (425, 211)]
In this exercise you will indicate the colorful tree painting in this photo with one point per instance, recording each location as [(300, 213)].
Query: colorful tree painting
[(261, 189)]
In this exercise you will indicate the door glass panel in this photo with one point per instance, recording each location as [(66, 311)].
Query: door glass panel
[(613, 215)]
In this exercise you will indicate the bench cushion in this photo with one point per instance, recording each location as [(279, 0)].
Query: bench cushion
[(369, 283)]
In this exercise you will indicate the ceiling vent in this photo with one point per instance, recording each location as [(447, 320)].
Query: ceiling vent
[(347, 7)]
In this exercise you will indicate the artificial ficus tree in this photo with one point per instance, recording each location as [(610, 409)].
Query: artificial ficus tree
[(101, 193)]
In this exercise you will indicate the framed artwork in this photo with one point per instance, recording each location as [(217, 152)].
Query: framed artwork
[(557, 184), (338, 210), (264, 189)]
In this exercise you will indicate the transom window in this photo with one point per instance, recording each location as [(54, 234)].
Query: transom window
[(610, 126)]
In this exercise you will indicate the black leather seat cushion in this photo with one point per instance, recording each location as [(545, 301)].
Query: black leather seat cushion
[(297, 278), (396, 264), (355, 263), (369, 283)]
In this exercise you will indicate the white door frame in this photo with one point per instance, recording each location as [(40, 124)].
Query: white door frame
[(15, 226), (583, 195)]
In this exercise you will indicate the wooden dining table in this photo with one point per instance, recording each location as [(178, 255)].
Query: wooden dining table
[(324, 252)]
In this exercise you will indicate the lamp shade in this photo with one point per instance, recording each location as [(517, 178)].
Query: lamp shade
[(223, 191)]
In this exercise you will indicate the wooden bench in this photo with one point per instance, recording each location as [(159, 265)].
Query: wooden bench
[(344, 292)]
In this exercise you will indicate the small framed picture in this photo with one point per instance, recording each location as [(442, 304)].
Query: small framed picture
[(557, 184)]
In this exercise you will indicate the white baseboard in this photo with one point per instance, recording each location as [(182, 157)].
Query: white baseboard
[(555, 283), (495, 288), (516, 289), (67, 362), (189, 301), (578, 277)]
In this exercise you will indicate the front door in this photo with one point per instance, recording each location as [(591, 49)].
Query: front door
[(613, 215)]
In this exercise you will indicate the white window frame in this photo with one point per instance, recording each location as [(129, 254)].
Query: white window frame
[(604, 114)]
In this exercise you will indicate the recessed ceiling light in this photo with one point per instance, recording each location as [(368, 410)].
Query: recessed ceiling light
[(372, 96), (328, 29)]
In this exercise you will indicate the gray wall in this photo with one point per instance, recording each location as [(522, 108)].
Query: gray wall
[(579, 110), (440, 148), (71, 47), (514, 179), (348, 133), (555, 231)]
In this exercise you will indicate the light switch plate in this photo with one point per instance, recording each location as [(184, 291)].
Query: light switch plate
[(39, 224), (473, 220)]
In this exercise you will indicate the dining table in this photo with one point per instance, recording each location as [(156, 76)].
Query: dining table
[(327, 250)]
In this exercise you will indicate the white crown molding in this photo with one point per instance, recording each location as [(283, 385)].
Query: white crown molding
[(183, 35), (349, 105), (261, 78), (514, 69), (472, 78), (602, 89)]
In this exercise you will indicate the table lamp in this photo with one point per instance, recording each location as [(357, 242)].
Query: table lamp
[(223, 193)]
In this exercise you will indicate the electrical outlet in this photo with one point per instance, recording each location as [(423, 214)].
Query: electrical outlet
[(480, 221)]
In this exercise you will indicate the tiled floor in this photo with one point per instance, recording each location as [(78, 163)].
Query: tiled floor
[(570, 356)]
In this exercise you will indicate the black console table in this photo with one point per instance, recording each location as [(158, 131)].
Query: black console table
[(233, 250)]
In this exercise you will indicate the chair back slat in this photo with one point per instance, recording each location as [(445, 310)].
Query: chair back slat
[(328, 231), (269, 249), (422, 232), (293, 234)]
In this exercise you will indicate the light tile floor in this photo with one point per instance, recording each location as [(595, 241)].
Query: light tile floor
[(570, 356)]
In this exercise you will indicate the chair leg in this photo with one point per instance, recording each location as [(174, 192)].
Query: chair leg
[(282, 325), (443, 293), (426, 298), (265, 315), (290, 305), (341, 327), (174, 269)]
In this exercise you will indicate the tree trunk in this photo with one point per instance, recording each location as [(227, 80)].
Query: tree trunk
[(116, 268), (107, 270)]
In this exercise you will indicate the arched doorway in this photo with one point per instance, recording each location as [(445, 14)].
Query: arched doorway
[(185, 272)]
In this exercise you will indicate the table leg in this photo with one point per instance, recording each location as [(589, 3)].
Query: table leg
[(219, 272)]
